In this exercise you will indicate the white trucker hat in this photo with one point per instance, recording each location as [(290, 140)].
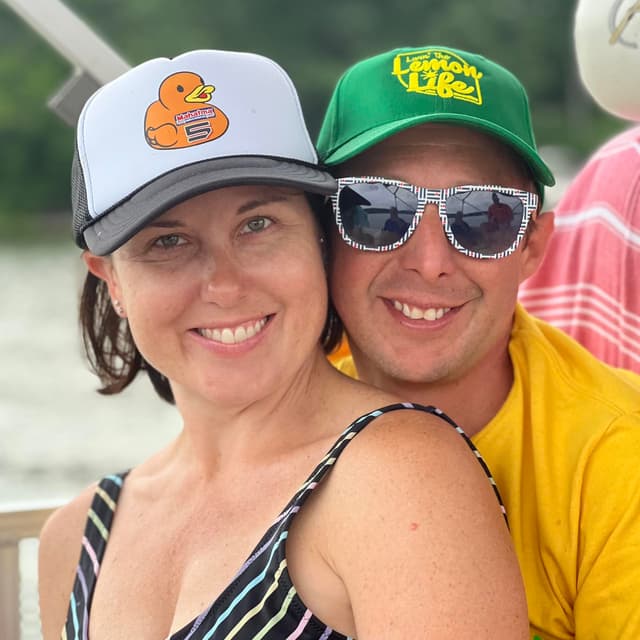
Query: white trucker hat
[(170, 129), (607, 42)]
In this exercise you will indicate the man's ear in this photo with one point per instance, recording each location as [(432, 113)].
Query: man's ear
[(102, 267), (535, 244)]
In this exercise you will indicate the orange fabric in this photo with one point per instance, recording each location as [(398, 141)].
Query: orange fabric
[(342, 351)]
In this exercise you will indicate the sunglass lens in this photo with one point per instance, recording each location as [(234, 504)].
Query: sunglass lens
[(376, 215), (484, 221)]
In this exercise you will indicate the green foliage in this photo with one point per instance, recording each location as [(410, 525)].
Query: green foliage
[(314, 41), (35, 144)]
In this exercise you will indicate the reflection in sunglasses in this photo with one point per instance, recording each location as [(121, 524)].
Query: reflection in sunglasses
[(377, 214)]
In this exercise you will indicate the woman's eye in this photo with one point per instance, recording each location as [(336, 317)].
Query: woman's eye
[(168, 242), (256, 224)]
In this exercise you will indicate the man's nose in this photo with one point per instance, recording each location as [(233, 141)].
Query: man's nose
[(428, 251)]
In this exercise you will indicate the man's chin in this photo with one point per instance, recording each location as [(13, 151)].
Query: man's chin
[(413, 370)]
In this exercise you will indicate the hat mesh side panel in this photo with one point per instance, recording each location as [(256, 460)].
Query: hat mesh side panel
[(79, 200)]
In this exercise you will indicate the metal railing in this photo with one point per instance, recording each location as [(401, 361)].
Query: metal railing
[(17, 523), (94, 61)]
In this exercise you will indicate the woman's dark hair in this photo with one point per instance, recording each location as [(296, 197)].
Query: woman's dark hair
[(109, 346)]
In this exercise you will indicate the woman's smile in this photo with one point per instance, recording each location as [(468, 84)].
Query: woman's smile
[(235, 334)]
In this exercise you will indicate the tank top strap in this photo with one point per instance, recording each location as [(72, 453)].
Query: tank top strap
[(326, 464), (94, 543), (476, 453)]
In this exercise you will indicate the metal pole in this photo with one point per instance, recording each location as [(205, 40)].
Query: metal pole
[(94, 61), (71, 37)]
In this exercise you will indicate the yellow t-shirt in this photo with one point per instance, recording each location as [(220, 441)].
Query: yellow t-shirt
[(564, 450)]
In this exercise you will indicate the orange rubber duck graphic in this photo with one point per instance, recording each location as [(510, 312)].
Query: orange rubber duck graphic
[(182, 116)]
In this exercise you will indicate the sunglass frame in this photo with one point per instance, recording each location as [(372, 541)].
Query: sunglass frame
[(438, 197)]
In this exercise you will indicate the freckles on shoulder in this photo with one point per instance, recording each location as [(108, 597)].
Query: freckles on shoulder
[(411, 453)]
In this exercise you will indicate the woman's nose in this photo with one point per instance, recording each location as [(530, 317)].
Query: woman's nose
[(223, 279)]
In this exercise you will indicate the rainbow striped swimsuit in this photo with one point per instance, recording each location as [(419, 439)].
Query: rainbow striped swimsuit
[(261, 601)]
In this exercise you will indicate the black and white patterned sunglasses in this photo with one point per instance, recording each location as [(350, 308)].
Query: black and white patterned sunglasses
[(480, 221)]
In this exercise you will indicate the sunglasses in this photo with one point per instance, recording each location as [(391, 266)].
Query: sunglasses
[(377, 214)]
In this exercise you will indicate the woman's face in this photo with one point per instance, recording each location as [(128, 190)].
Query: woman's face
[(225, 293)]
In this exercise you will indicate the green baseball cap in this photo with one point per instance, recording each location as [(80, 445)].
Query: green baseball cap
[(392, 91)]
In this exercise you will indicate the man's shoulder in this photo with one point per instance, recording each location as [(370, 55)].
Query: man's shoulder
[(541, 352)]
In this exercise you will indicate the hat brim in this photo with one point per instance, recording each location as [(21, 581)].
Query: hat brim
[(122, 222), (367, 139)]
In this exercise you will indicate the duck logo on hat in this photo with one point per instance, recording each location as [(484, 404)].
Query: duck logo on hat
[(183, 116), (438, 72)]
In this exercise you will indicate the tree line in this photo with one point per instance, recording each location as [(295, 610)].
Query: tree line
[(314, 41)]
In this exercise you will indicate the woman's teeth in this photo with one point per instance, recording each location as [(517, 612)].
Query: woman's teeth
[(229, 335)]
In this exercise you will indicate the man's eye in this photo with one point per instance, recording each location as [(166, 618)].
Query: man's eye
[(168, 242), (256, 224)]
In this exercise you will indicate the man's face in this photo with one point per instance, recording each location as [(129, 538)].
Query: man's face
[(426, 313)]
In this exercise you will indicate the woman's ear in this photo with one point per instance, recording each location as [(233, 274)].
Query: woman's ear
[(536, 242), (102, 267)]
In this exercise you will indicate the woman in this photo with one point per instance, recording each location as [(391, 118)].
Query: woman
[(198, 201)]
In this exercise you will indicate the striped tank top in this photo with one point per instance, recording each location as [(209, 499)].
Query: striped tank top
[(261, 601)]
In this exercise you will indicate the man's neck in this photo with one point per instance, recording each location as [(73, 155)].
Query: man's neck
[(472, 400)]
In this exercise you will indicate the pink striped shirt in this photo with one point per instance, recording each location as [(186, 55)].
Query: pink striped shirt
[(587, 284)]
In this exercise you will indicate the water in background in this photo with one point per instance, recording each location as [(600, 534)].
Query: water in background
[(57, 435)]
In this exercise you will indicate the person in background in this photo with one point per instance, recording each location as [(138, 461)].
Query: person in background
[(587, 285), (295, 503), (499, 213), (395, 225), (435, 316)]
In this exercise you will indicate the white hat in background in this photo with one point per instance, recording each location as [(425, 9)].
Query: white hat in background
[(607, 42)]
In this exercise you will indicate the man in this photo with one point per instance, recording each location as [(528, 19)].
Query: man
[(434, 318), (499, 213), (588, 282), (395, 224), (587, 285)]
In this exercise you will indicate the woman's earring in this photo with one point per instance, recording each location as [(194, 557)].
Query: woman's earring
[(117, 305), (324, 252)]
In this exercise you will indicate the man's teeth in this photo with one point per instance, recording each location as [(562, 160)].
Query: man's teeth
[(234, 336), (416, 313)]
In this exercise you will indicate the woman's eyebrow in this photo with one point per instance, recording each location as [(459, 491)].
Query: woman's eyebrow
[(166, 224), (253, 204)]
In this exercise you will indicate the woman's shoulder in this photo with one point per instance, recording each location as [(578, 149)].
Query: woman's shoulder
[(61, 535), (388, 427), (403, 436), (391, 437), (68, 519), (408, 500), (59, 552)]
